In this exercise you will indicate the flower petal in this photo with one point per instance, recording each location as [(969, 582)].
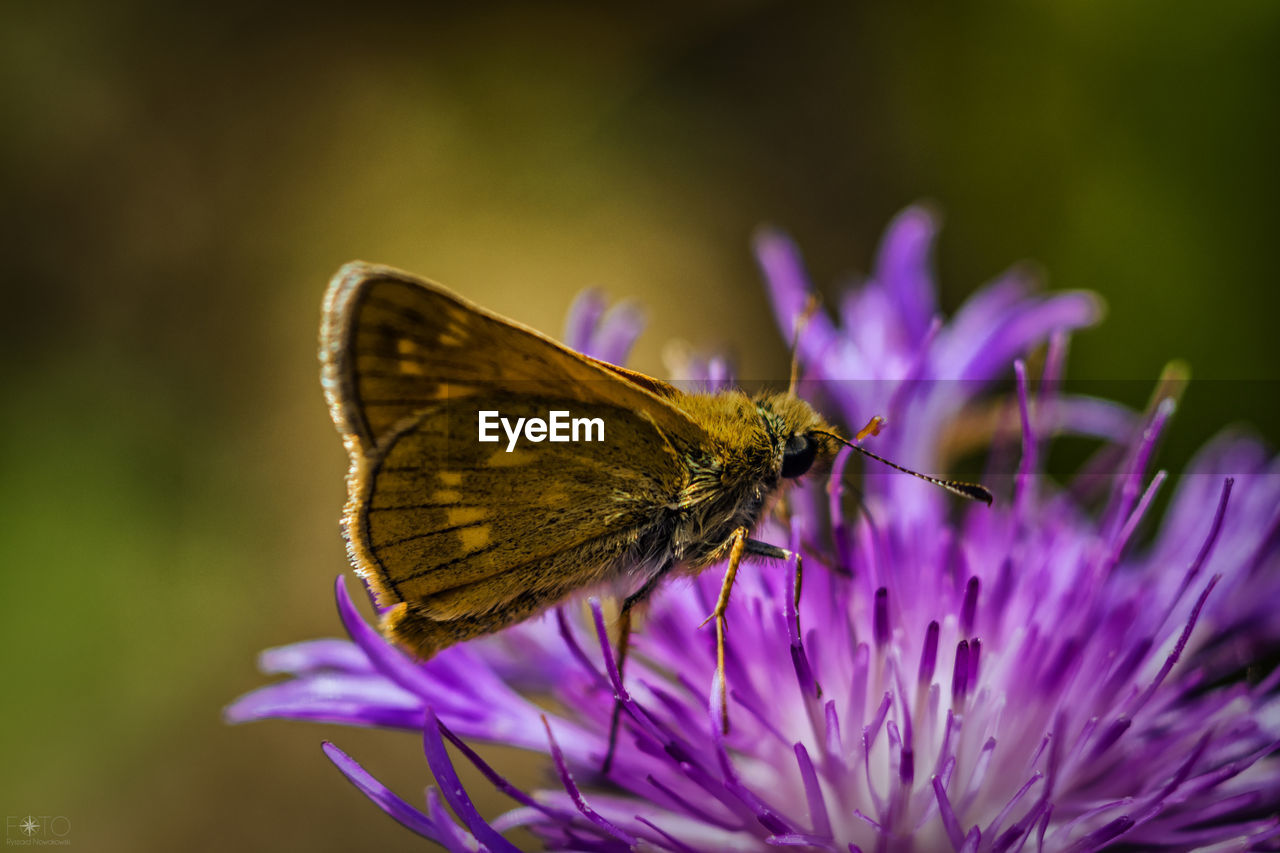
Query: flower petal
[(902, 267), (453, 792), (405, 814)]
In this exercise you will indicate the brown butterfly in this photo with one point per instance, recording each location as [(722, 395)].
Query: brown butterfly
[(461, 537)]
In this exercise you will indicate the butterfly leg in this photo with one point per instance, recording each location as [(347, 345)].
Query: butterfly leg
[(737, 547), (756, 548), (742, 546), (624, 644)]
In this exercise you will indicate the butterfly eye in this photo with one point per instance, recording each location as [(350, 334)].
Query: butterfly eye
[(797, 456)]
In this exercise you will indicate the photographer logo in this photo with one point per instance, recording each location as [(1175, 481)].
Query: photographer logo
[(33, 830)]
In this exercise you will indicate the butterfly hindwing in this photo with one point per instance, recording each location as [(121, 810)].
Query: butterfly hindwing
[(436, 509)]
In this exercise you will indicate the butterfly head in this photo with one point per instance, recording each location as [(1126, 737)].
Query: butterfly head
[(804, 438), (801, 434)]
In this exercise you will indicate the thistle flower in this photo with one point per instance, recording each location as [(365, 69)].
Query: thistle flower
[(958, 678)]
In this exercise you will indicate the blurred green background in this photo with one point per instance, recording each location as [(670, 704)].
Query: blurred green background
[(180, 180)]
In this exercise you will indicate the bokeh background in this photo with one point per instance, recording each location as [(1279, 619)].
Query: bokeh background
[(180, 180)]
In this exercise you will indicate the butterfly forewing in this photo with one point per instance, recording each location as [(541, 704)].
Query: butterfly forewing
[(392, 343), (458, 527)]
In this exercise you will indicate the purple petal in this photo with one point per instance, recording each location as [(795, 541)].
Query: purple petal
[(314, 655), (1028, 326), (584, 315), (566, 779), (813, 793), (389, 660), (616, 334), (789, 286), (393, 805), (345, 699), (453, 792), (902, 267)]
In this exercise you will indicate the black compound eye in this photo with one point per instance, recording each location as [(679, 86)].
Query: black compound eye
[(798, 455)]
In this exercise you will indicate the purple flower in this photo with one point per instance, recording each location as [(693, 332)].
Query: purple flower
[(1021, 677)]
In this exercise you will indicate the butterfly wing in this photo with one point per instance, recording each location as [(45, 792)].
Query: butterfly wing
[(471, 535), (392, 344)]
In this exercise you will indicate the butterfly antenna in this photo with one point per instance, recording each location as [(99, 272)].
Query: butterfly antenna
[(802, 320), (972, 491)]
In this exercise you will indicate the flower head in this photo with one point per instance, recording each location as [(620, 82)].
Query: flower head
[(957, 678)]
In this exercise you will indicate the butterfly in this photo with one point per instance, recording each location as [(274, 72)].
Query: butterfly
[(460, 537)]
